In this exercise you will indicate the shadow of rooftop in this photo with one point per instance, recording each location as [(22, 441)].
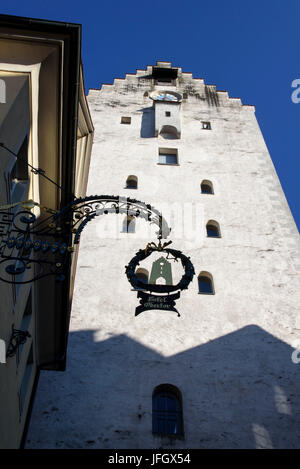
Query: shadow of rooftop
[(239, 391)]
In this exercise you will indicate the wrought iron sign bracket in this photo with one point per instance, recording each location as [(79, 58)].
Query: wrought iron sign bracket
[(32, 248)]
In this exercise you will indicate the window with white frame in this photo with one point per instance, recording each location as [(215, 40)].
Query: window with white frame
[(168, 156)]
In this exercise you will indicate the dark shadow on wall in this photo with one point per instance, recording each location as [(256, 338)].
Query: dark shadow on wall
[(148, 122), (239, 391)]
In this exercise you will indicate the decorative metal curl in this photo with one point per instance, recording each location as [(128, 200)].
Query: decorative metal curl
[(18, 338), (85, 209)]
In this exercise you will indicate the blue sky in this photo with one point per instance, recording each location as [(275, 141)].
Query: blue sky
[(249, 48)]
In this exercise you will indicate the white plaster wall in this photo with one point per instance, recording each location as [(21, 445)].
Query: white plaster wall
[(228, 353), (162, 120)]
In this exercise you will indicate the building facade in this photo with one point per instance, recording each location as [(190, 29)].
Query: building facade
[(220, 375), (45, 126)]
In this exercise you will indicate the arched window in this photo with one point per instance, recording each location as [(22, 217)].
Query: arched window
[(205, 283), (131, 182), (129, 224), (206, 187), (167, 418), (142, 275), (213, 229), (169, 132)]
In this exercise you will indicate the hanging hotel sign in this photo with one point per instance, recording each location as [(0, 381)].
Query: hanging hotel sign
[(149, 301), (154, 296)]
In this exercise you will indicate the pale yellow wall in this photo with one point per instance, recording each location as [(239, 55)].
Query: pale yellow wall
[(26, 112), (15, 119), (39, 112)]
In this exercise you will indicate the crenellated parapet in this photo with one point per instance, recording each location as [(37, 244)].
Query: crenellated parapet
[(163, 76)]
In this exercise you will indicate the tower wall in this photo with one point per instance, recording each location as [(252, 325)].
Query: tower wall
[(228, 353)]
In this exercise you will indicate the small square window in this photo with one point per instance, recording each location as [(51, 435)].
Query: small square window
[(168, 113), (125, 120), (168, 156), (167, 159), (206, 125)]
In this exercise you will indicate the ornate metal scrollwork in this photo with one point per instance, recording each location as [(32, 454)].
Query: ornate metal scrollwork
[(32, 248), (142, 254), (18, 338)]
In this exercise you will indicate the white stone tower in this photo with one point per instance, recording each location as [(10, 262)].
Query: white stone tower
[(221, 375)]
